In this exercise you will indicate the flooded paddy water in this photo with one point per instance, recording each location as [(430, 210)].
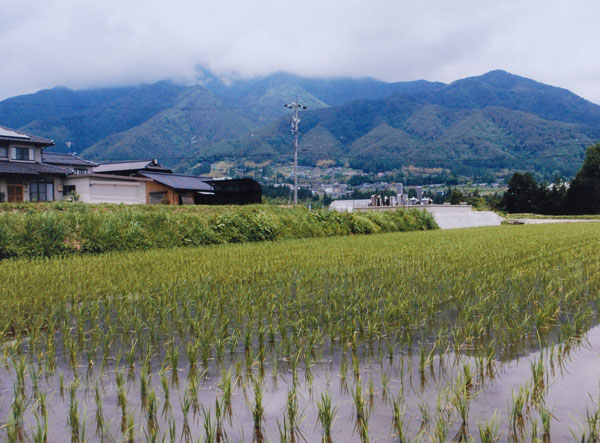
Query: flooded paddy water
[(399, 395)]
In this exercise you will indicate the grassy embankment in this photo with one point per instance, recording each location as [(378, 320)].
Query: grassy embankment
[(46, 230)]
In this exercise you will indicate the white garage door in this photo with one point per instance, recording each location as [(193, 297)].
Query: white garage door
[(114, 193)]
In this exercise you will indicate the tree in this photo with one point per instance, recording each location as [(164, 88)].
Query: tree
[(523, 194), (456, 197), (583, 196)]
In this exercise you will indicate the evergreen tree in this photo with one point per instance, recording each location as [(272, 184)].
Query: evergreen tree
[(583, 196), (523, 194)]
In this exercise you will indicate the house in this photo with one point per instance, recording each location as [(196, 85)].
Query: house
[(179, 189), (23, 174), (29, 174), (131, 167), (165, 187), (175, 189), (72, 163)]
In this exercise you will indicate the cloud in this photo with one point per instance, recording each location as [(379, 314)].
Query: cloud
[(85, 43)]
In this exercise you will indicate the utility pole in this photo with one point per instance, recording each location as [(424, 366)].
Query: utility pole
[(295, 132)]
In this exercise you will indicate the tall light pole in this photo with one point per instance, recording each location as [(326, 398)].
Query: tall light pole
[(295, 120)]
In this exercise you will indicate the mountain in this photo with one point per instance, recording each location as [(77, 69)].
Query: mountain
[(496, 120), (263, 97), (196, 120), (86, 117)]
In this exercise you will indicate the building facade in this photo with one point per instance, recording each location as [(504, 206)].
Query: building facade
[(23, 175)]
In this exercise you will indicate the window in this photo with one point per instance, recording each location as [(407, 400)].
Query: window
[(22, 154), (157, 198), (41, 190), (78, 171), (3, 152), (67, 189)]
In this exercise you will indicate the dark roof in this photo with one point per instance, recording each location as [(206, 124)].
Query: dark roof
[(18, 168), (108, 177), (180, 182), (13, 135), (57, 158), (131, 165)]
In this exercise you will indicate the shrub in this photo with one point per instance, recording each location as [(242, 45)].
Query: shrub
[(44, 230)]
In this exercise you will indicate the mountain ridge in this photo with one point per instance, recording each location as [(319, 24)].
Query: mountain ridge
[(366, 123)]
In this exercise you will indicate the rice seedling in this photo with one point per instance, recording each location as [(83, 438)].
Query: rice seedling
[(362, 412), (326, 416), (100, 423), (460, 400), (517, 409), (258, 411), (293, 417), (489, 431), (427, 309), (399, 411), (210, 434), (546, 418), (73, 421), (186, 433), (166, 394)]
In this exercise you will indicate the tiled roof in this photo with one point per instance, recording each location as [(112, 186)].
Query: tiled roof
[(57, 158), (130, 165), (25, 168), (182, 182), (13, 135)]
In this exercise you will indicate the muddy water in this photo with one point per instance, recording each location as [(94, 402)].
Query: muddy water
[(571, 386)]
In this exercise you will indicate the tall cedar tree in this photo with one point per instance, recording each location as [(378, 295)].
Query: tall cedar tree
[(523, 194), (583, 196)]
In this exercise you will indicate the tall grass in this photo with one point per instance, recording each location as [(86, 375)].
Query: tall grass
[(46, 230)]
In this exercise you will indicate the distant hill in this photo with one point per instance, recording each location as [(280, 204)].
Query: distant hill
[(86, 117), (174, 121), (497, 120)]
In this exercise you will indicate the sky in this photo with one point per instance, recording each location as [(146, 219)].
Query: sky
[(83, 43)]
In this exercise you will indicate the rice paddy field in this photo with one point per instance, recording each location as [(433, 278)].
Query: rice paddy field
[(486, 334)]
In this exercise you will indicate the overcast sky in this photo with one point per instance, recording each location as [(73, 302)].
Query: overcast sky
[(85, 43)]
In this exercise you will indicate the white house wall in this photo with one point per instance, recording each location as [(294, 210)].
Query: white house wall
[(99, 190)]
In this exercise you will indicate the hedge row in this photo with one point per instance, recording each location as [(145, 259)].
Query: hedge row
[(59, 229)]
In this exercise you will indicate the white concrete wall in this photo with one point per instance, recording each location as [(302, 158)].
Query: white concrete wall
[(94, 189), (462, 219), (446, 216)]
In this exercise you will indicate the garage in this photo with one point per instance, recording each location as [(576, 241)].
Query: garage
[(97, 188), (114, 192)]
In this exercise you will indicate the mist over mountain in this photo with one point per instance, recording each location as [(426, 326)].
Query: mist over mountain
[(497, 120)]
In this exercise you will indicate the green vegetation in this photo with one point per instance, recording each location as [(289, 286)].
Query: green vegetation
[(524, 194), (583, 196), (229, 341), (46, 230)]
